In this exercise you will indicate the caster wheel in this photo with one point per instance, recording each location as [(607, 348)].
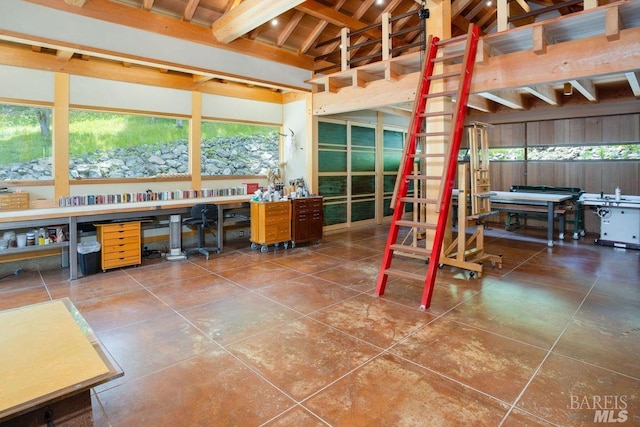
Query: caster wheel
[(561, 236), (293, 245), (254, 246), (472, 274), (576, 236), (440, 265), (264, 249), (582, 233), (286, 245)]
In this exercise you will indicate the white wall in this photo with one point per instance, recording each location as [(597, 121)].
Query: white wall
[(296, 149)]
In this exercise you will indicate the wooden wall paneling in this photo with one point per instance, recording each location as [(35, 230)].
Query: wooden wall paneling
[(611, 129), (546, 134), (593, 177), (575, 131), (593, 130), (630, 128), (573, 174), (533, 133), (610, 176), (630, 177)]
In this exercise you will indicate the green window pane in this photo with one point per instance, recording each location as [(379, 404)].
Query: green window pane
[(363, 210), (363, 184), (332, 161), (335, 214), (391, 160), (332, 133), (363, 162), (389, 183), (362, 136), (392, 139), (330, 186)]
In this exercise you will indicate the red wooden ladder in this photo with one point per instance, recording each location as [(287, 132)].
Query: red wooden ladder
[(458, 53)]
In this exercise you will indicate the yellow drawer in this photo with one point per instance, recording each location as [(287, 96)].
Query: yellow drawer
[(116, 248), (119, 241), (272, 220), (129, 254), (120, 228)]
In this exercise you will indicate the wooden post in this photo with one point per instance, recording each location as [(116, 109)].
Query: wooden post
[(344, 49), (195, 141), (60, 149)]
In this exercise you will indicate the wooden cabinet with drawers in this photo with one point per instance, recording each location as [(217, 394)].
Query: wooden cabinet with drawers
[(120, 244), (270, 223), (306, 220)]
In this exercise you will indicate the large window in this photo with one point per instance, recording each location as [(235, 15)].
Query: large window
[(239, 149), (115, 145), (25, 143)]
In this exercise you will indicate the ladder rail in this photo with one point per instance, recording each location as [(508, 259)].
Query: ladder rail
[(417, 134), (450, 167), (402, 182)]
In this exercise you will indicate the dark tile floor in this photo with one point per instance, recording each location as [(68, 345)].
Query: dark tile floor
[(295, 337)]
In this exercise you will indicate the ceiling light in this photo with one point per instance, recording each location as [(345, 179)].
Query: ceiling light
[(379, 2), (274, 22), (489, 3)]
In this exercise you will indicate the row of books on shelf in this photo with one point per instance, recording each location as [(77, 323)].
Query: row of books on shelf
[(148, 196)]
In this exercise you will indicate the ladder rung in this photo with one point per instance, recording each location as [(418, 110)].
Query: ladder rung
[(425, 155), (441, 94), (404, 274), (411, 249), (449, 57), (425, 177), (437, 114), (419, 200), (452, 40), (415, 224), (426, 134), (445, 75)]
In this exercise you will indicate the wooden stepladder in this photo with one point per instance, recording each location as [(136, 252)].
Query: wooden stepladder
[(435, 167), (474, 205)]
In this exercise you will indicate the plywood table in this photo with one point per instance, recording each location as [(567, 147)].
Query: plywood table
[(50, 360)]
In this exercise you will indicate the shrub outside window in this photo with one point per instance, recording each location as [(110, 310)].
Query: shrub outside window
[(236, 149), (116, 145), (25, 143)]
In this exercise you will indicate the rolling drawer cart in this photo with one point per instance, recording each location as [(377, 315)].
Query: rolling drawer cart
[(270, 224), (306, 220), (120, 243)]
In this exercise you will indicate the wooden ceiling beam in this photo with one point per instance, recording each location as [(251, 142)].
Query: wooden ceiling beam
[(247, 16), (336, 18), (77, 3), (190, 10), (586, 88), (545, 93), (634, 82), (64, 55), (288, 29), (508, 98), (317, 31), (147, 5)]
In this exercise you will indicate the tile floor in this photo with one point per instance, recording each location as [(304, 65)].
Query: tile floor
[(295, 337)]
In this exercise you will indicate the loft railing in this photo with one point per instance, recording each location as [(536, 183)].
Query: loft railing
[(505, 20), (375, 42)]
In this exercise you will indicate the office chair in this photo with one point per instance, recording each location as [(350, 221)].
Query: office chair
[(204, 217)]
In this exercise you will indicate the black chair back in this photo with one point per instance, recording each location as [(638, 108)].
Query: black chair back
[(208, 214)]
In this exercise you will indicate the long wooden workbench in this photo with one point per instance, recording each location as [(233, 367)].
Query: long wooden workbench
[(74, 215)]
